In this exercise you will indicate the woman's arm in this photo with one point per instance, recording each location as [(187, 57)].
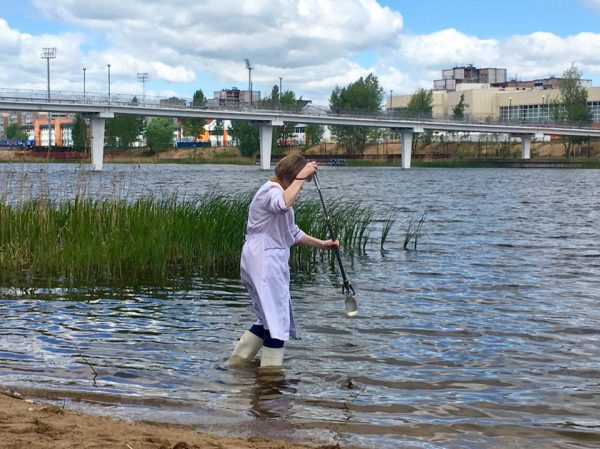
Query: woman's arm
[(291, 193), (309, 240)]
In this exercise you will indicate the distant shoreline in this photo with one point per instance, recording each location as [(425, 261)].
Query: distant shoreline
[(232, 156)]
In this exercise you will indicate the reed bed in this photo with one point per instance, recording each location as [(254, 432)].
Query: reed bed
[(148, 240)]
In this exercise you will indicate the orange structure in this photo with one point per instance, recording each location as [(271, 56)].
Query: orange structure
[(40, 122)]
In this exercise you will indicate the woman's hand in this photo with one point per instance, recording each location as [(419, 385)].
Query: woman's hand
[(330, 244), (306, 173)]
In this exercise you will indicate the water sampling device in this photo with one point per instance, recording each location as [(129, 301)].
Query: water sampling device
[(347, 290)]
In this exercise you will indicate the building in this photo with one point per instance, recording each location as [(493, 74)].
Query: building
[(233, 98), (22, 118), (61, 126), (454, 77), (172, 102), (209, 133), (549, 83), (508, 100), (35, 125)]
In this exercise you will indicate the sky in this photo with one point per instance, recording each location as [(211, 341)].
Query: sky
[(312, 45)]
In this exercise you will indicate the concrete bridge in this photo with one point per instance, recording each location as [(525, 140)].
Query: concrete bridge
[(99, 107)]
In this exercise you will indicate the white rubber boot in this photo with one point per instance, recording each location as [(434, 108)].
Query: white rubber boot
[(271, 357), (245, 350)]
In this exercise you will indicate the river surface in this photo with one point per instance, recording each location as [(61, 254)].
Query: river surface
[(487, 336)]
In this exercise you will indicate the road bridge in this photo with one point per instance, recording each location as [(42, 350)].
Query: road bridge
[(98, 108)]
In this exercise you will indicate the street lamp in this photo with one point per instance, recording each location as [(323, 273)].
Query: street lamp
[(142, 78), (84, 69), (543, 113), (249, 67), (108, 65), (48, 53), (508, 140), (391, 98), (280, 87)]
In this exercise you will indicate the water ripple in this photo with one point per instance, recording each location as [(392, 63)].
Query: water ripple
[(486, 337)]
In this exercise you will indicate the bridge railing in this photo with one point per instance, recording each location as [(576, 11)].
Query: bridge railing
[(91, 98), (302, 109)]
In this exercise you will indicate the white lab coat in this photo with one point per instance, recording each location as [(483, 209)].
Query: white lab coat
[(265, 271)]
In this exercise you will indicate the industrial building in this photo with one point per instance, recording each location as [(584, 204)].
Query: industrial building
[(496, 99), (233, 98), (451, 78)]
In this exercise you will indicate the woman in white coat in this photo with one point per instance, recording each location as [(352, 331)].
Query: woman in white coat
[(271, 231)]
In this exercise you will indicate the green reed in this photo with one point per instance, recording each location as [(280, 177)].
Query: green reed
[(149, 239), (413, 232)]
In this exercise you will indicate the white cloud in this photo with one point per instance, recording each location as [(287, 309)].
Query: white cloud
[(284, 33), (20, 56), (312, 44), (10, 40), (303, 41), (448, 47), (525, 56)]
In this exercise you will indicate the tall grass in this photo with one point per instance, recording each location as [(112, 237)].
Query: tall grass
[(385, 230), (149, 239), (413, 232)]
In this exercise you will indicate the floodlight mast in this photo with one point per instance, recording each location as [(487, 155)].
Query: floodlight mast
[(48, 53), (108, 66), (143, 77), (250, 68)]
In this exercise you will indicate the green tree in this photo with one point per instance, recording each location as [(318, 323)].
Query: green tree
[(363, 96), (246, 135), (198, 99), (458, 111), (14, 132), (159, 134), (218, 130), (123, 130), (313, 134), (287, 101), (421, 103), (192, 127), (79, 134), (572, 105), (271, 101)]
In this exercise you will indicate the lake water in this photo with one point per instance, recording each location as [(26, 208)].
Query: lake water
[(486, 337)]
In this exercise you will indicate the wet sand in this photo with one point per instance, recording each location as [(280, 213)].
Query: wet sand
[(31, 425)]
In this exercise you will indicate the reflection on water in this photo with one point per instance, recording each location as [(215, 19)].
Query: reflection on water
[(487, 337)]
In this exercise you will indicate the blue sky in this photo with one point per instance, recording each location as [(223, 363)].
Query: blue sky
[(313, 45), (562, 17)]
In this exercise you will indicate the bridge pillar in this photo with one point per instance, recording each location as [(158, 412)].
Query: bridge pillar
[(526, 147), (97, 137), (265, 132), (406, 142)]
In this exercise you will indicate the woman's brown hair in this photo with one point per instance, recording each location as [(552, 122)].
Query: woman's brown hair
[(287, 169)]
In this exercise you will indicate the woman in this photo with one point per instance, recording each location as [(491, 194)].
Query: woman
[(270, 233)]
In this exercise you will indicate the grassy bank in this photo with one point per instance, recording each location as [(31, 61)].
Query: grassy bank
[(148, 240)]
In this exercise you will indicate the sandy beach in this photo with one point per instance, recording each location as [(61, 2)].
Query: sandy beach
[(32, 425)]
